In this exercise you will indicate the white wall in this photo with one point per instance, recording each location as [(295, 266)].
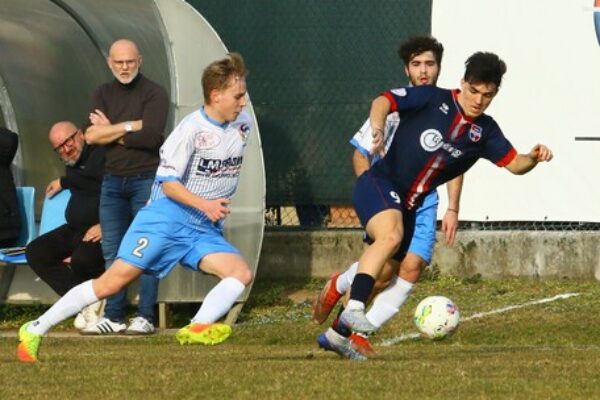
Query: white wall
[(550, 95)]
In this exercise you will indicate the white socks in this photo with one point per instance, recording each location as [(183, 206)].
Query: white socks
[(70, 304), (388, 303), (219, 300), (355, 305), (345, 279)]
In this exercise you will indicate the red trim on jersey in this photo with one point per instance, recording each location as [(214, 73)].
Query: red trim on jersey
[(457, 119), (410, 199), (392, 100), (512, 153), (428, 173)]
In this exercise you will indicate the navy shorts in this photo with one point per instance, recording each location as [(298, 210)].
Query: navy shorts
[(373, 195)]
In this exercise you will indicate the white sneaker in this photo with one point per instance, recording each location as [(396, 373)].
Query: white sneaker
[(139, 326), (89, 315), (104, 327)]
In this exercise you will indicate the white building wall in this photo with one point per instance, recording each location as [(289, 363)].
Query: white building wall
[(550, 95)]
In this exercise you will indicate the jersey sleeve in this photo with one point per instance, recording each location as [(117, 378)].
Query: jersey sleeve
[(497, 148), (363, 139), (176, 152), (409, 98)]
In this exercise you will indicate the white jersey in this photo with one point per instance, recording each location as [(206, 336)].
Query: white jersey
[(205, 157), (363, 139)]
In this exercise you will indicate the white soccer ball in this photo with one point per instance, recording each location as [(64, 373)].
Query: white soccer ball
[(436, 317)]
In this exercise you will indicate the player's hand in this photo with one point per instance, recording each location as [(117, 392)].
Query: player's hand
[(216, 209), (450, 226), (377, 147), (97, 117), (540, 153), (94, 234), (53, 188)]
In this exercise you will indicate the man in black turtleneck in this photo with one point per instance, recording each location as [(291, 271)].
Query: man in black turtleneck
[(128, 116)]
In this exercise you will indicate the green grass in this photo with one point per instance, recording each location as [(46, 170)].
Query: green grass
[(545, 351)]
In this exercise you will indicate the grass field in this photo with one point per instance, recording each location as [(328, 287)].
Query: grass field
[(538, 351)]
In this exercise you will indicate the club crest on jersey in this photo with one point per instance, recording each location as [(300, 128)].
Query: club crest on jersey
[(244, 130), (431, 140), (206, 140), (401, 92), (475, 133)]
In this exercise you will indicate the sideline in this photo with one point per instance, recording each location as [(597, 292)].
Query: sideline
[(74, 334), (415, 335)]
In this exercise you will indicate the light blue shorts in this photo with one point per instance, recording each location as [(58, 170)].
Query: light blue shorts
[(157, 240), (423, 238)]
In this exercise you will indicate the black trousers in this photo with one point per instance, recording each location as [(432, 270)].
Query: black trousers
[(46, 253)]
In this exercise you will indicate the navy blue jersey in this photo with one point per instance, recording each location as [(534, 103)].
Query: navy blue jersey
[(435, 142)]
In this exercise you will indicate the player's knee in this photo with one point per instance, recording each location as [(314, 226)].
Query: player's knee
[(392, 239), (411, 271), (102, 288), (105, 287), (245, 276)]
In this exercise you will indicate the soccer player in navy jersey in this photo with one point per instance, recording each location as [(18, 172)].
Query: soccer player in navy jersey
[(422, 57), (441, 135), (198, 174)]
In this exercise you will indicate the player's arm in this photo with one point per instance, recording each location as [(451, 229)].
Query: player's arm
[(215, 210), (380, 108), (523, 163), (450, 220)]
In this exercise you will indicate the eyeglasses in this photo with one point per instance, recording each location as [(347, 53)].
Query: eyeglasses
[(68, 141)]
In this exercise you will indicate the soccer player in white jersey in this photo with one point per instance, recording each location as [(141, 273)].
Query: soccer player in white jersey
[(422, 57), (198, 174)]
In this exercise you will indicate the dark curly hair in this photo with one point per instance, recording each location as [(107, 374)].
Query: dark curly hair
[(416, 45)]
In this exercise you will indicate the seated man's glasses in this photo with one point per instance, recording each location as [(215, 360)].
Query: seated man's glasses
[(67, 142)]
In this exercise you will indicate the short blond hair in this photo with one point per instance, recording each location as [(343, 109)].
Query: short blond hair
[(218, 74)]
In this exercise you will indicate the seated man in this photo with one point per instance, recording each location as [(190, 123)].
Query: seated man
[(80, 237), (10, 220)]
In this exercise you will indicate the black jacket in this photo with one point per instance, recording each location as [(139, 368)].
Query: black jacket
[(10, 220)]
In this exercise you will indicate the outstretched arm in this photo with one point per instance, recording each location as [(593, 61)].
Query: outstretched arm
[(523, 163)]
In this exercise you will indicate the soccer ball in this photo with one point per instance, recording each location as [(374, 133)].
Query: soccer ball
[(436, 317)]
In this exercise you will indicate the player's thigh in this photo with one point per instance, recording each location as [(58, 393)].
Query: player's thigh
[(155, 242), (377, 205), (214, 255), (227, 265)]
